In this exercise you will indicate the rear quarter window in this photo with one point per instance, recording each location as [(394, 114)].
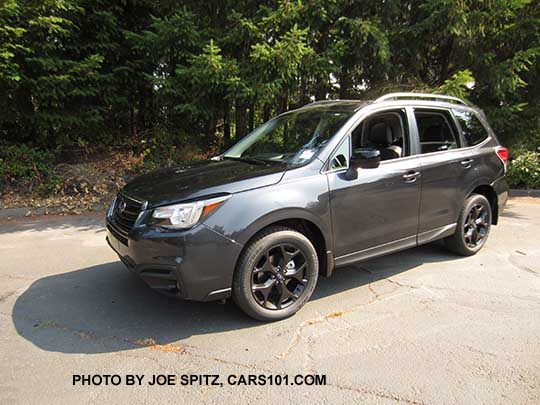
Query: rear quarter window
[(474, 131)]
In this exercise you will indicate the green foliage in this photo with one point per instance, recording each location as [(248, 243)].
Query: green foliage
[(524, 171), (10, 41), (161, 150), (27, 167), (458, 84), (95, 73), (278, 63)]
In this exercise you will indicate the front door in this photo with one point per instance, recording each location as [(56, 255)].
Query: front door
[(377, 211)]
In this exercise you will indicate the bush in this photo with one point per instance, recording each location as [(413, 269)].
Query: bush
[(25, 167), (164, 149), (524, 171)]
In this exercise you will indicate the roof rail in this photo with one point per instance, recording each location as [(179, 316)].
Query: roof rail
[(412, 96), (334, 101)]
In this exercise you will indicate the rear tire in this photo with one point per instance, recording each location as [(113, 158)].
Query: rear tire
[(276, 274), (473, 226)]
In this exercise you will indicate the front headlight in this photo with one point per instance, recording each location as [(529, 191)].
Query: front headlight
[(183, 216)]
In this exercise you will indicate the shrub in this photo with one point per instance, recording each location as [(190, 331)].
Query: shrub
[(524, 171), (26, 167), (165, 150)]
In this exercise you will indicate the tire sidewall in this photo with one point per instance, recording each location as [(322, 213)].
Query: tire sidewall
[(242, 290)]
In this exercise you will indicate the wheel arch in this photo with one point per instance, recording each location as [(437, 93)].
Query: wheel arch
[(489, 192), (300, 222)]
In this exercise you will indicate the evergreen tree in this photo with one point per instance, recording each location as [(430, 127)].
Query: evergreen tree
[(91, 72)]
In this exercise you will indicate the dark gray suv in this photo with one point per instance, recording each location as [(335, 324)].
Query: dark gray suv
[(326, 185)]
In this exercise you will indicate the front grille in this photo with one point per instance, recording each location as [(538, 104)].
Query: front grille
[(125, 212)]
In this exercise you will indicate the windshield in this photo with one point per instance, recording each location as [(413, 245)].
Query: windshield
[(292, 138)]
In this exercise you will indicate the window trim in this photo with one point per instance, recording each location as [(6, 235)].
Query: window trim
[(401, 115), (413, 132), (462, 148), (455, 150), (326, 167), (460, 128), (449, 119), (413, 137)]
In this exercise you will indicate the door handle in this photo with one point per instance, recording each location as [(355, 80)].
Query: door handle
[(411, 177), (467, 163)]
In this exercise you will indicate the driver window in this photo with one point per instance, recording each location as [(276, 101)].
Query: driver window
[(387, 132)]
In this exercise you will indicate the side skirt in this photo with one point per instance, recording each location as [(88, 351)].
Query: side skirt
[(439, 233), (395, 246), (376, 251)]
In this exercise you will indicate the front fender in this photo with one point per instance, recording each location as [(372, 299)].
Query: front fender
[(284, 214), (246, 213)]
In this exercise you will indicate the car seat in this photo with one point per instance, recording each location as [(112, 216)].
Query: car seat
[(381, 136)]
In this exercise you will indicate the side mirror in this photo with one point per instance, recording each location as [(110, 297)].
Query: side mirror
[(363, 158)]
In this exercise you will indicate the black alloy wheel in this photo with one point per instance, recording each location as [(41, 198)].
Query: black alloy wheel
[(472, 227), (276, 274), (476, 226), (280, 277)]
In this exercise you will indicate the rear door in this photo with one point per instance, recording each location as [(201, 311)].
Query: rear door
[(444, 167)]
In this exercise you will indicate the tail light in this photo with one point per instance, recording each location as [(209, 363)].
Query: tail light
[(502, 152)]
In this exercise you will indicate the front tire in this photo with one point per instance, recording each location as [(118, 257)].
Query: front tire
[(276, 274), (473, 226)]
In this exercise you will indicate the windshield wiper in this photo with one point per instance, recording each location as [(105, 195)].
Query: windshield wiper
[(248, 159)]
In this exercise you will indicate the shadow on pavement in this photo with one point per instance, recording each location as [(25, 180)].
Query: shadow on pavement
[(88, 222), (105, 308)]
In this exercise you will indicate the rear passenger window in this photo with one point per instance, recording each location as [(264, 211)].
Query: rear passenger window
[(435, 131), (473, 130)]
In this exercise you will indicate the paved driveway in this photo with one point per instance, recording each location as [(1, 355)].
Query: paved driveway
[(417, 327)]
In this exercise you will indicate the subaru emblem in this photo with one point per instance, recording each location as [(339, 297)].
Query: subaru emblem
[(122, 206)]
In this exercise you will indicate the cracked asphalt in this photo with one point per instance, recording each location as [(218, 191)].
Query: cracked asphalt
[(418, 327)]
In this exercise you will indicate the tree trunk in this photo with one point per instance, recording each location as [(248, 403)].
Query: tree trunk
[(304, 97), (345, 84), (241, 128), (211, 128), (251, 117), (320, 92), (446, 59), (321, 80), (283, 102), (266, 112), (132, 122), (226, 124)]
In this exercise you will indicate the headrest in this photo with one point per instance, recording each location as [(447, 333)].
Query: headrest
[(381, 134)]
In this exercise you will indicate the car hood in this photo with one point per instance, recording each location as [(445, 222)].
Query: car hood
[(199, 179)]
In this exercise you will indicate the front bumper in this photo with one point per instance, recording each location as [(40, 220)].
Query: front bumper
[(197, 264)]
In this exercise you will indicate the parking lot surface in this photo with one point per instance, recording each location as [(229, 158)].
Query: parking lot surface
[(418, 327)]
